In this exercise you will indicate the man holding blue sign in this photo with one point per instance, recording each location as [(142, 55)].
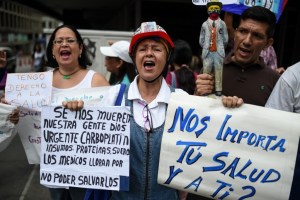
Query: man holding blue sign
[(245, 74)]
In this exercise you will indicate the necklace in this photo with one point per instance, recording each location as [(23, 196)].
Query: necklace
[(68, 76)]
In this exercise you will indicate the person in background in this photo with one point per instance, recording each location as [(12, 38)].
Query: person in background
[(196, 64), (286, 96), (38, 58), (67, 55), (119, 63), (182, 77), (270, 59)]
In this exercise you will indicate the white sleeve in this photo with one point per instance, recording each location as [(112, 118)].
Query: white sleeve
[(282, 97)]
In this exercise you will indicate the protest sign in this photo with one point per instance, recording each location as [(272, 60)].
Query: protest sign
[(29, 90), (29, 126), (91, 96), (7, 128), (88, 148), (29, 130), (226, 153)]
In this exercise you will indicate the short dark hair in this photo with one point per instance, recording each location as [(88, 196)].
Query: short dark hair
[(263, 15), (84, 60), (182, 56), (182, 53)]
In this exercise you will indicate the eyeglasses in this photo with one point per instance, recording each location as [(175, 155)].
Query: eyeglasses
[(148, 125), (68, 41)]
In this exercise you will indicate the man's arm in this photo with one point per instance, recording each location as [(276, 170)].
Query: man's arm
[(205, 85)]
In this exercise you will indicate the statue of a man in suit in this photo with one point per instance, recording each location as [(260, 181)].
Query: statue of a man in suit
[(213, 40)]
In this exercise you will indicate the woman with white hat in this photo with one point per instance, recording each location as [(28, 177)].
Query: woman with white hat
[(119, 63)]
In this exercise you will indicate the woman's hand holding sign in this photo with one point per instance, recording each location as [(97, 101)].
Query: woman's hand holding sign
[(73, 105)]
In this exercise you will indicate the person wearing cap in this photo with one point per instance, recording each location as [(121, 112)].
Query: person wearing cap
[(147, 97), (213, 40), (119, 63)]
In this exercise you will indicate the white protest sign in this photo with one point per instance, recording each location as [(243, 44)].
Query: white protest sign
[(7, 128), (204, 2), (29, 126), (91, 96), (223, 153), (88, 148), (29, 90), (29, 130)]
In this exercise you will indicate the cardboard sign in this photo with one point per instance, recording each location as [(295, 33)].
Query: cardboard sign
[(29, 130), (29, 90), (29, 126), (7, 128), (223, 153), (88, 148)]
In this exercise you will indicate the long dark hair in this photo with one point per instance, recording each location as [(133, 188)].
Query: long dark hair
[(182, 56), (126, 69), (83, 60), (186, 79)]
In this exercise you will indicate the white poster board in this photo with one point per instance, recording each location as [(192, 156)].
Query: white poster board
[(29, 90), (29, 131), (7, 128), (217, 152), (29, 126), (88, 148)]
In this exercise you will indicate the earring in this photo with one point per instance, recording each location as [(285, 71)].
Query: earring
[(53, 57)]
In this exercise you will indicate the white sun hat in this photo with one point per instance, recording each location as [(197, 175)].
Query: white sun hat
[(118, 49)]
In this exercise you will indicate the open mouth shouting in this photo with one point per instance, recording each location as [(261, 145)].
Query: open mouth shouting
[(244, 52), (65, 54), (149, 65)]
